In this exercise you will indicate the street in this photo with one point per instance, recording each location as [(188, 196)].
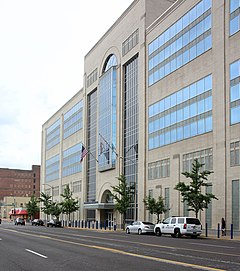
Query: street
[(28, 248)]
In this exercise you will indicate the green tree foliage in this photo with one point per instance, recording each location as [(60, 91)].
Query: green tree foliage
[(47, 203), (32, 207), (192, 193), (69, 204), (154, 206), (122, 194), (56, 209)]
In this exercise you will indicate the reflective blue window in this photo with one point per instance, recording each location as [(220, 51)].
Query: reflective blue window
[(235, 70), (179, 133), (235, 92), (200, 107), (175, 117), (235, 115), (208, 124), (234, 4), (201, 126), (186, 131), (193, 127), (199, 35), (107, 120), (234, 16)]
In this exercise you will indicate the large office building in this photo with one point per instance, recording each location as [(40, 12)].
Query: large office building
[(161, 88)]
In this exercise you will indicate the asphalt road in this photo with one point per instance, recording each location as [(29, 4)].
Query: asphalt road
[(32, 248)]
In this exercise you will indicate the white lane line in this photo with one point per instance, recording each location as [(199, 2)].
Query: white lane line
[(208, 245), (0, 239), (38, 254)]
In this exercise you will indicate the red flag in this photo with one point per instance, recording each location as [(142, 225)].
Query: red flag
[(83, 154)]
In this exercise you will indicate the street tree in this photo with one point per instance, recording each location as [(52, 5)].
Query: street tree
[(56, 209), (154, 206), (33, 207), (192, 193), (69, 204), (47, 203), (122, 194)]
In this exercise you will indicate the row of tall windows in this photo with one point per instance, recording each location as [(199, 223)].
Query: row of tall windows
[(235, 92), (236, 204), (235, 154), (184, 114), (130, 42), (52, 168), (73, 120), (204, 157), (71, 160), (77, 186), (107, 120), (131, 115), (91, 143), (92, 77), (234, 16), (185, 40), (159, 169), (53, 135)]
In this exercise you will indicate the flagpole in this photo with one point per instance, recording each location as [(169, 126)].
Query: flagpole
[(88, 151), (111, 147)]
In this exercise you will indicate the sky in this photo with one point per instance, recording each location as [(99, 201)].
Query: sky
[(42, 49)]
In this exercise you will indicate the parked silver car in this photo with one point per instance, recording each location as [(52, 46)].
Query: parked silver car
[(140, 227)]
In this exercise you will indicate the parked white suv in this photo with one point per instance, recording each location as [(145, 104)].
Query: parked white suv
[(178, 226)]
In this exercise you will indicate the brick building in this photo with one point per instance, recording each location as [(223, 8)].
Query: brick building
[(19, 183)]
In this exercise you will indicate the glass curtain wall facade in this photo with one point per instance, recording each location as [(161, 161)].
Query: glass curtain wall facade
[(185, 40), (184, 114), (107, 130), (131, 131), (71, 160), (73, 120), (52, 168), (235, 92), (53, 135), (91, 146)]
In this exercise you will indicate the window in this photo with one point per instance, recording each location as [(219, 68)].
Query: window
[(235, 92), (235, 154), (159, 169), (234, 16), (53, 135), (73, 119), (204, 156), (71, 160), (52, 168), (188, 38), (183, 114)]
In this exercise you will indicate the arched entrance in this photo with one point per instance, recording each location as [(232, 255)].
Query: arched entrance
[(106, 213)]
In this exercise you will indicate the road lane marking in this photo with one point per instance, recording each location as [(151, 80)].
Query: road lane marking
[(208, 245), (194, 266), (131, 242), (34, 252)]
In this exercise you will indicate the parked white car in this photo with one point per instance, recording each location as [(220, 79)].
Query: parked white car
[(179, 226), (140, 227)]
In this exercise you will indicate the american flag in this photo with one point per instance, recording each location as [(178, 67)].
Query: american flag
[(83, 153)]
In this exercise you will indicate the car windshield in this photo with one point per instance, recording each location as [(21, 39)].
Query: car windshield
[(148, 223), (193, 221)]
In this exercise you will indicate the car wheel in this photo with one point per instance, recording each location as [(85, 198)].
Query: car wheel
[(47, 225), (127, 231), (177, 233), (139, 231), (173, 235), (158, 232)]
